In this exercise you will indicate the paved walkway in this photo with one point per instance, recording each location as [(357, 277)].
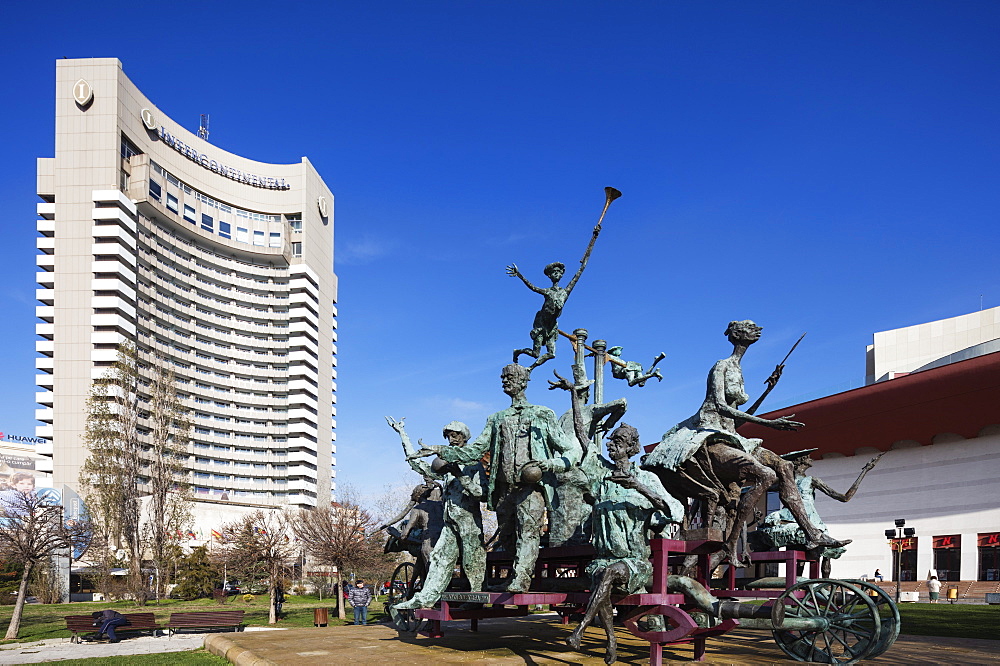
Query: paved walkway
[(538, 640), (59, 649), (502, 641)]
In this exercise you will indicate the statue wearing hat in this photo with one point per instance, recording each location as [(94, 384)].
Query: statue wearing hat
[(462, 533), (780, 528), (632, 371)]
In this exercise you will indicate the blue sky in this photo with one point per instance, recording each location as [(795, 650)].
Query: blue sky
[(829, 167)]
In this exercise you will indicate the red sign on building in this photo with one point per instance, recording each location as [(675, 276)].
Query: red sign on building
[(909, 543), (953, 541), (989, 540)]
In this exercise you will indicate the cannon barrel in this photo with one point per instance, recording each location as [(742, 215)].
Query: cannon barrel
[(770, 617), (790, 624)]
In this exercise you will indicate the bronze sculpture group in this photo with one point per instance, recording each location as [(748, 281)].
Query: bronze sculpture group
[(550, 486)]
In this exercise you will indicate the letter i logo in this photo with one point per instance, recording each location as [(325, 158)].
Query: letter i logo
[(83, 93)]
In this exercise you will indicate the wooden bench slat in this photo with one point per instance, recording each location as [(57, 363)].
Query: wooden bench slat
[(205, 619), (84, 624)]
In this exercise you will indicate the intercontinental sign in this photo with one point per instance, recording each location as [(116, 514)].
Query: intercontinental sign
[(192, 154)]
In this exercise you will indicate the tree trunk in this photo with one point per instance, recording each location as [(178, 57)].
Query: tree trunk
[(340, 596), (272, 589), (22, 594)]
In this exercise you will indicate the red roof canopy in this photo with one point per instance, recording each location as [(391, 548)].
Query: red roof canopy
[(960, 398)]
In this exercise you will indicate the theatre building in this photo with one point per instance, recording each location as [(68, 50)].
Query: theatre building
[(219, 265), (932, 402)]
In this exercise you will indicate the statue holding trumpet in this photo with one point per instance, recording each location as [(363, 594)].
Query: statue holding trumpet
[(545, 327)]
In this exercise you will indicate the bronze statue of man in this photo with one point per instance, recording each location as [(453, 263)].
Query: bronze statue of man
[(626, 499), (462, 537), (526, 447), (569, 521)]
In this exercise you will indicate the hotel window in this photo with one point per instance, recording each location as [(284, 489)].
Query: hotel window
[(206, 222), (189, 214), (224, 229), (295, 221), (242, 235), (275, 239), (171, 202), (296, 249), (128, 148), (154, 189), (258, 238)]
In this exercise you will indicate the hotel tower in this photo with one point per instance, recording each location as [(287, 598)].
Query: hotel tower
[(220, 265)]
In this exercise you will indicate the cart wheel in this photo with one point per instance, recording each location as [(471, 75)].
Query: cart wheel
[(404, 620), (852, 622), (404, 572), (887, 612)]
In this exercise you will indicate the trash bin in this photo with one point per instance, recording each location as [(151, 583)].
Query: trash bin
[(952, 594), (321, 617)]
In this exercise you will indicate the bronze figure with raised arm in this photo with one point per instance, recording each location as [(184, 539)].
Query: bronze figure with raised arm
[(626, 499), (526, 448), (704, 457), (545, 327), (780, 528)]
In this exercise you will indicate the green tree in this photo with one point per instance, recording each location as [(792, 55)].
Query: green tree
[(196, 575), (133, 478)]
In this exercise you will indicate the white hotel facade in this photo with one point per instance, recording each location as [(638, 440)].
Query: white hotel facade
[(220, 265)]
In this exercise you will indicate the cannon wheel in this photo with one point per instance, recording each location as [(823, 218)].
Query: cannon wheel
[(404, 620), (888, 613), (854, 623)]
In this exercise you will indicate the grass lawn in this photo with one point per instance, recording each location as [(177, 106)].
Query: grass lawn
[(958, 621), (46, 621), (197, 657)]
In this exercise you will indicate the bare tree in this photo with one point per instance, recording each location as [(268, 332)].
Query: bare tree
[(32, 531), (341, 536), (169, 494), (260, 546), (134, 479)]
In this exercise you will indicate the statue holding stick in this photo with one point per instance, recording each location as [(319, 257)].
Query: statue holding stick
[(545, 327)]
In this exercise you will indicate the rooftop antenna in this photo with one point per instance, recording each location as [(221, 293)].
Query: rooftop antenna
[(203, 128)]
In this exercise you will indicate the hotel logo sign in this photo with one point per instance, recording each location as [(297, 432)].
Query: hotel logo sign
[(148, 119), (192, 154), (83, 93)]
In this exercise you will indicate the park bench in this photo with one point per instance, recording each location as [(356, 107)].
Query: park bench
[(205, 620), (81, 625)]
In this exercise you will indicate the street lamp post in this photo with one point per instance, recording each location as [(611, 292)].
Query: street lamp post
[(895, 537)]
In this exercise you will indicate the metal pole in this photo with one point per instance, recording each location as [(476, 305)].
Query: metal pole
[(600, 355), (899, 561), (580, 350)]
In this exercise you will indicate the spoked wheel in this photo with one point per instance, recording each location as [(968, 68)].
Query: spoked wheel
[(404, 572), (888, 614), (404, 619), (829, 621)]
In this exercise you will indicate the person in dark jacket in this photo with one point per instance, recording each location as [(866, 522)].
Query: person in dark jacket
[(107, 620), (279, 599), (360, 596)]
